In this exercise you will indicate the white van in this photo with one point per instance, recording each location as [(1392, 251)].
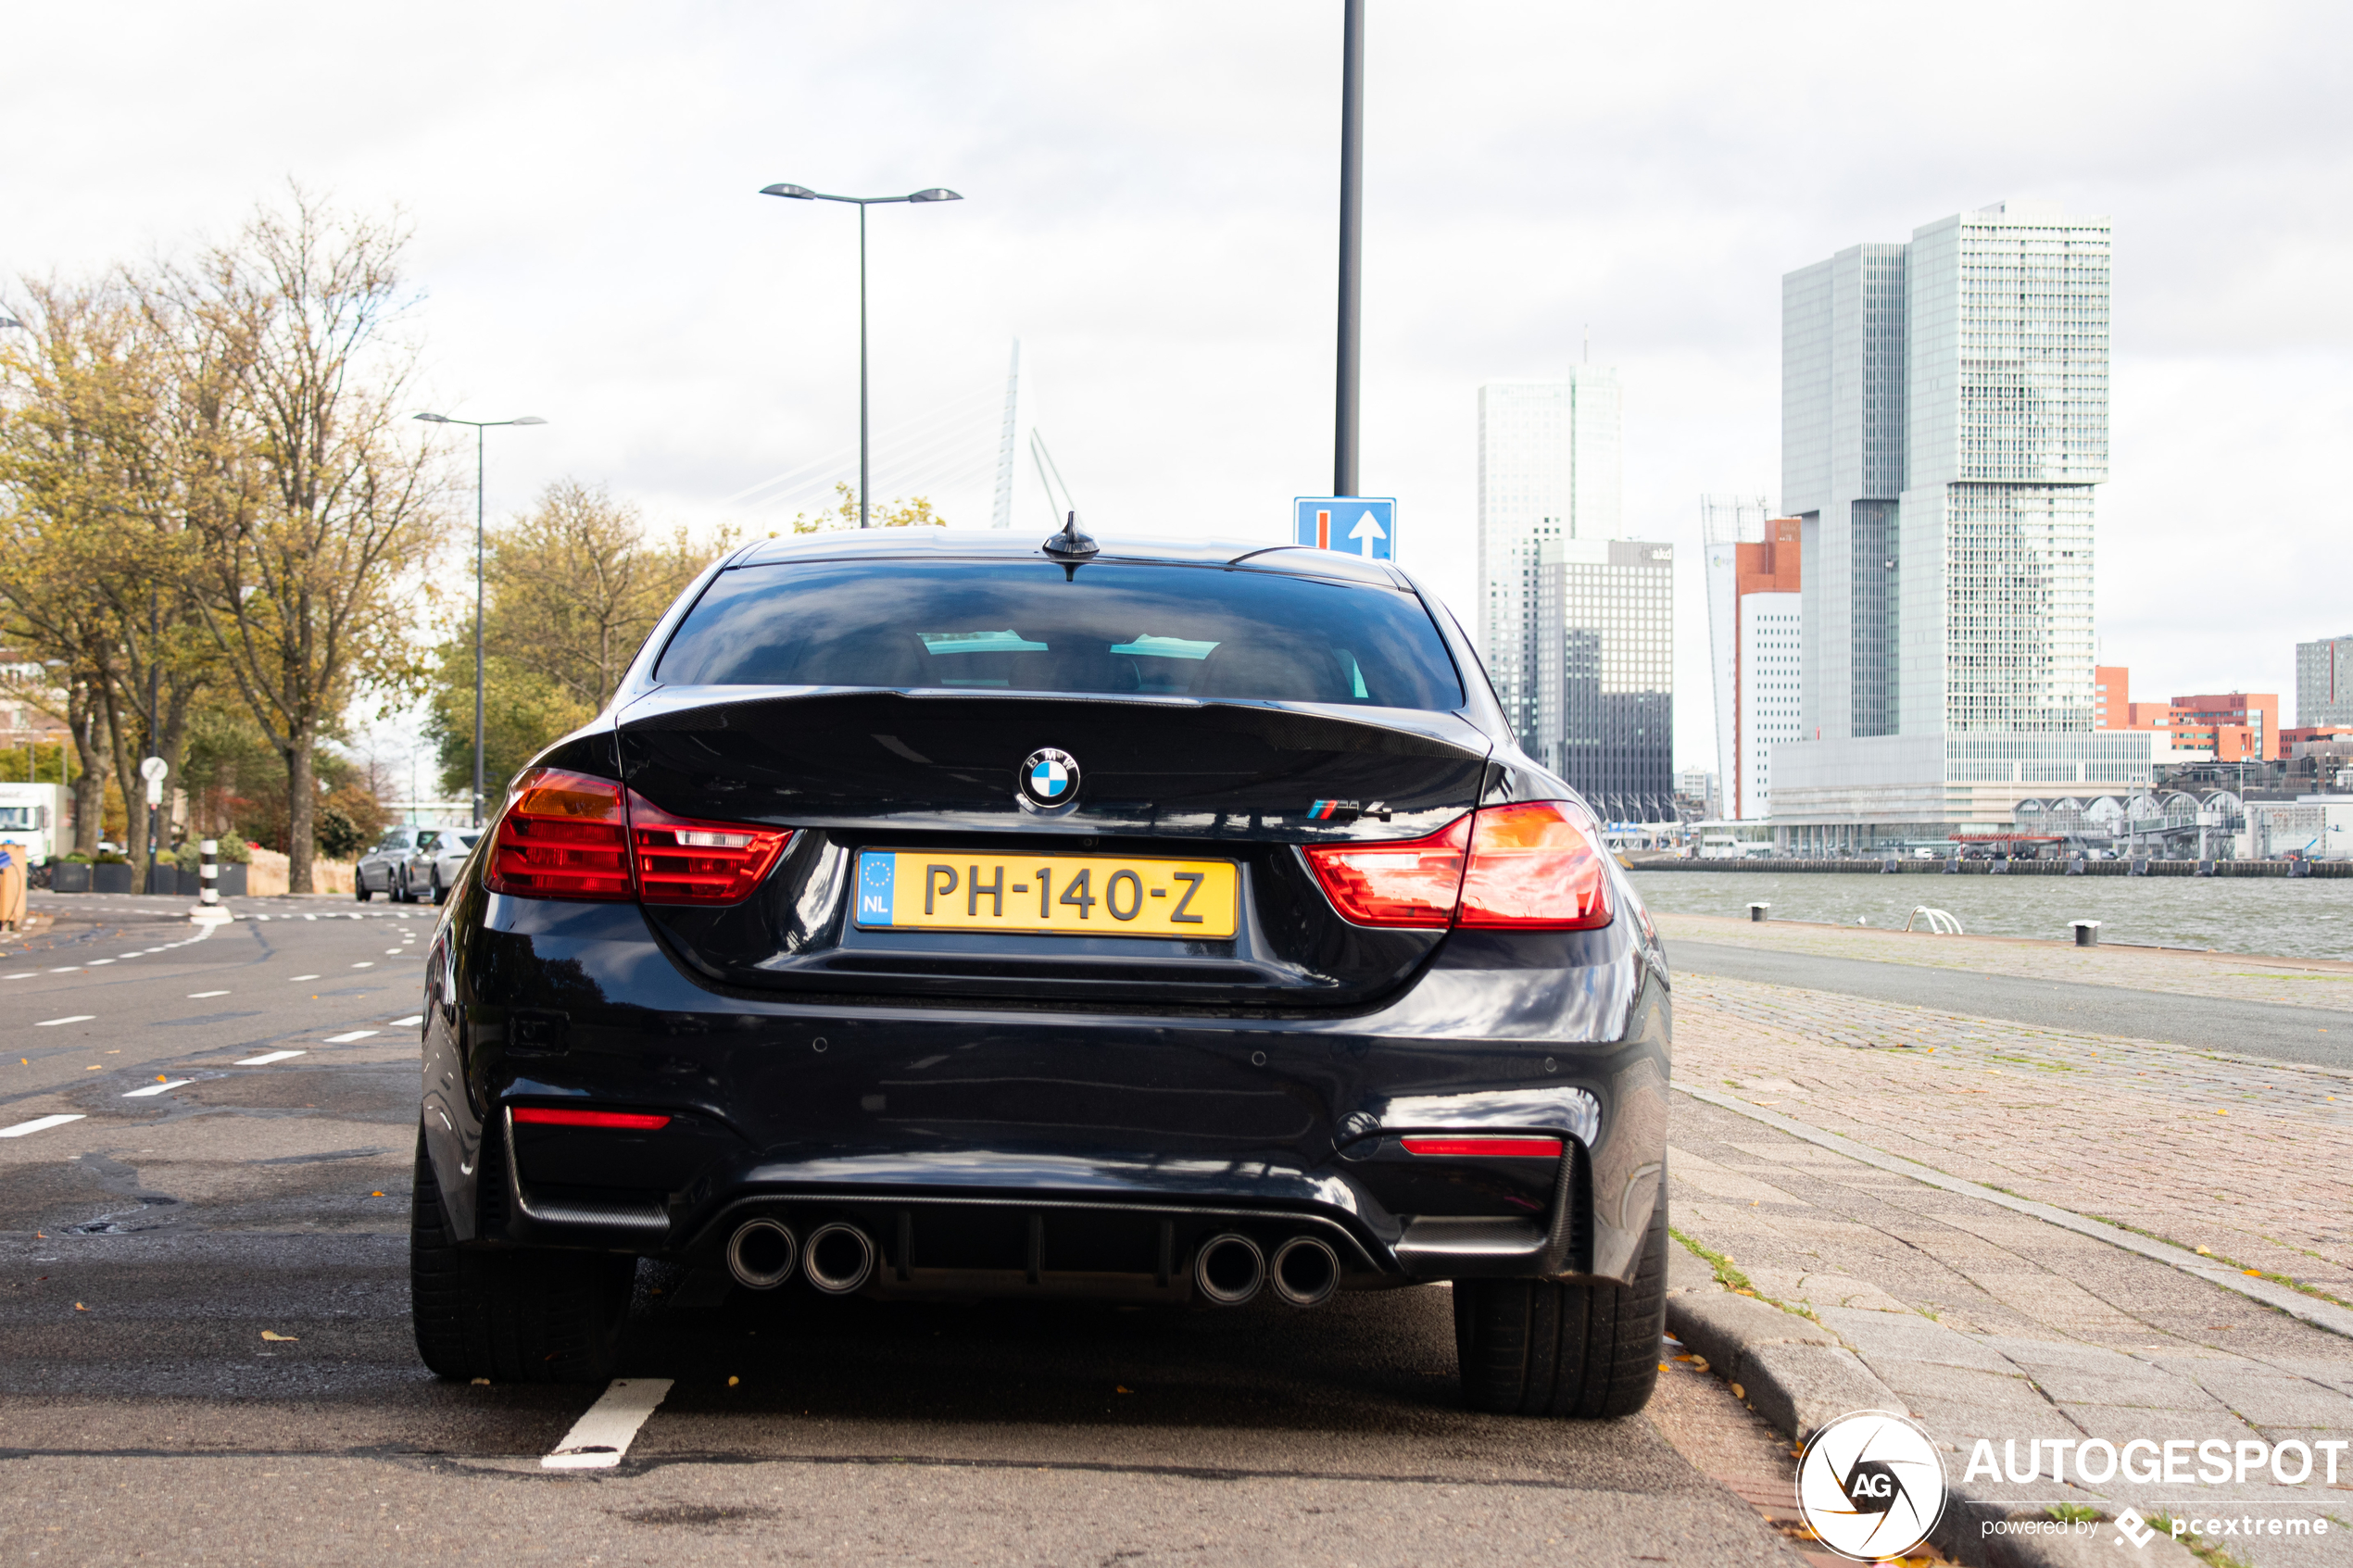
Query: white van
[(33, 815)]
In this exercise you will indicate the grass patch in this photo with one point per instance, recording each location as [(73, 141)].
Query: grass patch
[(2206, 1551), (1739, 1283), (2229, 1262), (2073, 1513)]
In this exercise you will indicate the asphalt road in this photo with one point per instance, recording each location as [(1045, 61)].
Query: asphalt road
[(2313, 1035), (204, 1300)]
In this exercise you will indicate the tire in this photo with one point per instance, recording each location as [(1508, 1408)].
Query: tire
[(359, 886), (1588, 1351), (440, 891), (513, 1315)]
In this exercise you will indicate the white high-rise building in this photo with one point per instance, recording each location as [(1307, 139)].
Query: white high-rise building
[(1551, 465), (1945, 417)]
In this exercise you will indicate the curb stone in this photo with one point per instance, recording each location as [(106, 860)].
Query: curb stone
[(1796, 1374)]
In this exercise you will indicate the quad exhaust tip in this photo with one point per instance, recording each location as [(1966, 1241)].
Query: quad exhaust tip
[(1229, 1268), (1306, 1271), (840, 1258), (761, 1254)]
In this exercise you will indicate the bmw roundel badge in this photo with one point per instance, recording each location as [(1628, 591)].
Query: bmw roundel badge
[(1049, 779)]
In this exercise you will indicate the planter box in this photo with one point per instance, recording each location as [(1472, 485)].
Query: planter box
[(233, 881), (112, 878), (163, 878), (187, 883), (69, 877)]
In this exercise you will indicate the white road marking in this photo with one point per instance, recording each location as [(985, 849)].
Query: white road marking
[(606, 1429), (354, 1035), (369, 963), (95, 962), (37, 1125), (157, 1088), (303, 977), (389, 951), (266, 1057), (70, 1017), (407, 1023), (28, 975), (69, 970), (198, 996)]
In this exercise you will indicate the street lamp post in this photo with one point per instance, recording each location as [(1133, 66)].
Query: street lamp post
[(480, 440), (802, 193), (1351, 247)]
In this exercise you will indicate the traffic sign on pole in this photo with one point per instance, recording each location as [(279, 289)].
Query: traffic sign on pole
[(1356, 525)]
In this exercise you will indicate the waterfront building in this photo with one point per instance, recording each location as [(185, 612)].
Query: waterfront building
[(1754, 616), (1945, 421), (1550, 468), (1605, 676), (2324, 682), (2111, 696), (2233, 726)]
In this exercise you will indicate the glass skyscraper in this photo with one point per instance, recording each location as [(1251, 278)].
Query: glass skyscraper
[(1944, 422)]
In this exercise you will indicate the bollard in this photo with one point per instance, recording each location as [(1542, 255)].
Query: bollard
[(209, 894), (2088, 932), (1756, 911)]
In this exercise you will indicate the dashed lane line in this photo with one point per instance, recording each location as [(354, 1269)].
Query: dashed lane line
[(346, 1038), (38, 1124), (157, 1088), (69, 1018), (266, 1057), (606, 1429), (407, 1023), (199, 996), (302, 977)]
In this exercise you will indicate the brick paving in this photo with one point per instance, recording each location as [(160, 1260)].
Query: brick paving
[(2315, 983), (2249, 1160)]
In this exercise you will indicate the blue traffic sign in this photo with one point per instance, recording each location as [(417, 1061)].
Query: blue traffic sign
[(1357, 525)]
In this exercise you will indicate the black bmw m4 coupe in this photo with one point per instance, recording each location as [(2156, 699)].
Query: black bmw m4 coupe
[(942, 915)]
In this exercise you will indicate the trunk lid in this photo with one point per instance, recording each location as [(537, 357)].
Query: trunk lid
[(933, 779)]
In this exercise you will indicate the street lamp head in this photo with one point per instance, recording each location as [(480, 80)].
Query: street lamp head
[(937, 194), (797, 192), (7, 322), (528, 419), (431, 418)]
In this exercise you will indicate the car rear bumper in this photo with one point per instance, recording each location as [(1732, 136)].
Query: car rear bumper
[(1089, 1152)]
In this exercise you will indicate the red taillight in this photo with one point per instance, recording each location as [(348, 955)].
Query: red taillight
[(1535, 866), (1413, 884), (571, 835), (683, 862), (630, 1121), (1486, 1149), (562, 835)]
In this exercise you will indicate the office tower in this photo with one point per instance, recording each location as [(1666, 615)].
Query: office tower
[(2324, 682), (1604, 681), (1944, 418), (1549, 467), (1755, 611)]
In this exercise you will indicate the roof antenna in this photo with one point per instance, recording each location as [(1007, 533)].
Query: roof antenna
[(1072, 547)]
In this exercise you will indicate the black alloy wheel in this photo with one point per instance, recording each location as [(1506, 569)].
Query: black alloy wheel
[(440, 890), (1589, 1351), (514, 1315), (360, 883)]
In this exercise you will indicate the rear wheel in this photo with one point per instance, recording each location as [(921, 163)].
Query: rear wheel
[(359, 886), (440, 891), (1536, 1347), (521, 1315)]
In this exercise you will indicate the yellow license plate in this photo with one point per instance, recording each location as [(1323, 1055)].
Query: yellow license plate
[(1055, 895)]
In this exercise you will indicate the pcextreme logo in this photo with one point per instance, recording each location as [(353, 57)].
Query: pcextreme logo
[(1870, 1484)]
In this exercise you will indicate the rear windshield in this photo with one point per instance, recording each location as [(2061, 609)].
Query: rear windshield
[(1203, 631)]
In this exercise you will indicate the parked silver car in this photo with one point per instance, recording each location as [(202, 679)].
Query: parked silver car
[(446, 861), (411, 864)]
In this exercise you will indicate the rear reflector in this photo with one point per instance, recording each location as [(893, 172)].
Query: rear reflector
[(539, 1116), (1481, 1148), (562, 835), (573, 835), (1533, 866), (1412, 883)]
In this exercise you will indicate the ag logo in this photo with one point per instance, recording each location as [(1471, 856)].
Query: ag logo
[(1048, 780), (1871, 1485)]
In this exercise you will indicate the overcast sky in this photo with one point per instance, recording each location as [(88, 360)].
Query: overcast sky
[(1151, 208)]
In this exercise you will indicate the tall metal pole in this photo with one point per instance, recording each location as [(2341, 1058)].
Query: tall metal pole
[(864, 487), (155, 727), (1351, 245), (480, 437)]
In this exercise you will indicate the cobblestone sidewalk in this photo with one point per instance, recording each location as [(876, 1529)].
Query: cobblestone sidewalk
[(2313, 983), (2248, 1160)]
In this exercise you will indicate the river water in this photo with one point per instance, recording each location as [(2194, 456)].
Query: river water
[(2307, 917)]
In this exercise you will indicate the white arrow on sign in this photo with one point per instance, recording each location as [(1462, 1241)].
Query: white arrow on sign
[(1364, 532)]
